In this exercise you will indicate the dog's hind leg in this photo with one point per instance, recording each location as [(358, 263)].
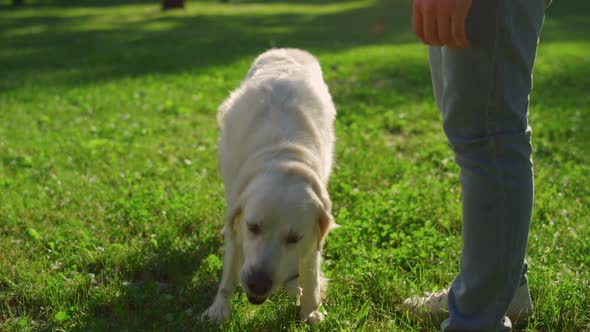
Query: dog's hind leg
[(220, 310), (311, 282)]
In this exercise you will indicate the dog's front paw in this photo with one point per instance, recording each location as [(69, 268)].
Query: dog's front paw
[(218, 312), (312, 318)]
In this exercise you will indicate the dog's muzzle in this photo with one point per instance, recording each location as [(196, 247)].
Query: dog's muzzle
[(258, 285)]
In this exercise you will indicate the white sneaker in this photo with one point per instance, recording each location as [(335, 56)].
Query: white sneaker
[(434, 306)]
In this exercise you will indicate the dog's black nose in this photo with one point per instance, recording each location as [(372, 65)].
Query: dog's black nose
[(259, 283)]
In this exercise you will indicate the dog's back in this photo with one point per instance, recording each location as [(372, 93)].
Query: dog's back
[(283, 99)]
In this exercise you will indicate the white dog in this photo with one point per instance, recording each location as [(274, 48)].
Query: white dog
[(276, 146)]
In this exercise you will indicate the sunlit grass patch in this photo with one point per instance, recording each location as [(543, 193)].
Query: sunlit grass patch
[(111, 202)]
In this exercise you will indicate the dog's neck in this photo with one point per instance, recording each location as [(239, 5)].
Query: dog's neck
[(282, 158)]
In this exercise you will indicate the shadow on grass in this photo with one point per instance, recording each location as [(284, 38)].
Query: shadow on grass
[(169, 289), (102, 3), (71, 51), (61, 48)]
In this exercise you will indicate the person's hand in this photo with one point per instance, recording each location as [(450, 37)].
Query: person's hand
[(441, 22)]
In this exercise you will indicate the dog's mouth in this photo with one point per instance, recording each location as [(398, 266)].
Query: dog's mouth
[(260, 299), (255, 299)]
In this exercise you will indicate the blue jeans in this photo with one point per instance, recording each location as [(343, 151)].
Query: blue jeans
[(483, 94)]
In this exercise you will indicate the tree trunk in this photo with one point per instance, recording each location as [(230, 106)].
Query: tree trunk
[(18, 3), (172, 4)]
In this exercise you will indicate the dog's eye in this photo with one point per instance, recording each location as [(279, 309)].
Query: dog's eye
[(292, 238), (254, 228)]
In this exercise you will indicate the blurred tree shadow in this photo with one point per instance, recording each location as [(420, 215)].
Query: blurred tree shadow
[(82, 3), (169, 289), (188, 43), (102, 3), (57, 42)]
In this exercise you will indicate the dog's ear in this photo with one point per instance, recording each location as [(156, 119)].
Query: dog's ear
[(233, 212), (326, 224), (325, 220)]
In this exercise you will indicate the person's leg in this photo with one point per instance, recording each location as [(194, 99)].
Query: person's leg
[(435, 59), (484, 101)]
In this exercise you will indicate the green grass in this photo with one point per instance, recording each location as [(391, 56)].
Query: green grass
[(111, 201)]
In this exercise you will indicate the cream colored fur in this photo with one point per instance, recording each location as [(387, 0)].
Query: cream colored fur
[(276, 149)]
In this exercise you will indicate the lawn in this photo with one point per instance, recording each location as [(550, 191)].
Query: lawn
[(111, 202)]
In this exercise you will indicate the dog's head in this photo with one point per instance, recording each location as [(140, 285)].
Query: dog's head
[(278, 220)]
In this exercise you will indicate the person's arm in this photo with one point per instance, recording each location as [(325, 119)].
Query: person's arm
[(441, 22)]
